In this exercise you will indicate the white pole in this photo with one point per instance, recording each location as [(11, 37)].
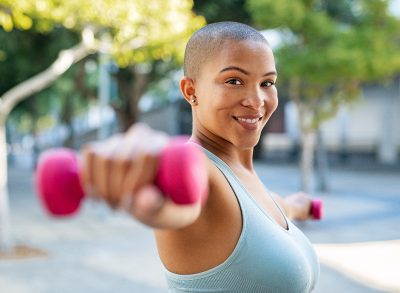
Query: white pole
[(104, 94), (387, 151), (6, 242)]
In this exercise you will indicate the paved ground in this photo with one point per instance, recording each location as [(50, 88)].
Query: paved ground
[(104, 251)]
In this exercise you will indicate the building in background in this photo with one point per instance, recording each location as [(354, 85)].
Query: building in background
[(370, 126)]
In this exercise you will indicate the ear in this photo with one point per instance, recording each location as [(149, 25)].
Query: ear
[(187, 89)]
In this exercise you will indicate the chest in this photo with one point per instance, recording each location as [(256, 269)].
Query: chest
[(270, 252), (262, 197)]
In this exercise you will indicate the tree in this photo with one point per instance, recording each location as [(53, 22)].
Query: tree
[(133, 81), (330, 48), (222, 10), (27, 52), (131, 31)]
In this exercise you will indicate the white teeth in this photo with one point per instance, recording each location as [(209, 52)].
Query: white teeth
[(248, 120)]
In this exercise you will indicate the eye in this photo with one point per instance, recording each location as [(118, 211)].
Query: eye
[(234, 81), (268, 83)]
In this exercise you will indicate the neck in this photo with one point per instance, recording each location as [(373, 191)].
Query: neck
[(235, 157)]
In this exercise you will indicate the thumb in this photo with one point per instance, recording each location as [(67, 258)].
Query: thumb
[(147, 202)]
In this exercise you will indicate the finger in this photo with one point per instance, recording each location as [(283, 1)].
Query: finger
[(85, 176), (138, 139), (100, 166), (124, 158), (147, 165), (119, 170), (141, 172), (132, 167)]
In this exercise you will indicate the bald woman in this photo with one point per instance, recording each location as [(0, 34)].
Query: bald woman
[(242, 238)]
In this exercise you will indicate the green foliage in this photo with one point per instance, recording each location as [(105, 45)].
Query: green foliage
[(133, 32), (334, 47), (29, 52), (222, 10), (271, 13), (136, 30), (56, 104)]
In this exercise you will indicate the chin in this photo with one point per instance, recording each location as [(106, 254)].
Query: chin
[(247, 144)]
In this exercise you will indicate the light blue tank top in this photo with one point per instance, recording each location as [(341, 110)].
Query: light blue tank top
[(267, 257)]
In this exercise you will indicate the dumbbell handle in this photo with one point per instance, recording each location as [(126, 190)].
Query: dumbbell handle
[(181, 176)]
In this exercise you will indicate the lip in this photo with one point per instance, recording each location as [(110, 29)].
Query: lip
[(249, 116), (249, 125)]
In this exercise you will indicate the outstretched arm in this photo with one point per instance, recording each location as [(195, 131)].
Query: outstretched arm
[(296, 206)]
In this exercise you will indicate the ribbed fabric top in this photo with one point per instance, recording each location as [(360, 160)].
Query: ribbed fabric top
[(267, 258)]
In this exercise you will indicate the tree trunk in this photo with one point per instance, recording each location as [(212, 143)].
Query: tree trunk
[(307, 161), (8, 101), (387, 148), (307, 150), (131, 85), (307, 136), (6, 242), (33, 113), (104, 61), (322, 164), (67, 113)]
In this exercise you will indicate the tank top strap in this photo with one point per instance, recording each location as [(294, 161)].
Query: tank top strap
[(220, 164), (241, 192), (233, 181)]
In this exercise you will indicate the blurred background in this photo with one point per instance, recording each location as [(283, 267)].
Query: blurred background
[(77, 71)]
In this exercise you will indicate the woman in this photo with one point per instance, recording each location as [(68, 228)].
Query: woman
[(241, 239)]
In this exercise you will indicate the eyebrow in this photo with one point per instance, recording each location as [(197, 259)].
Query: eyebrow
[(236, 68)]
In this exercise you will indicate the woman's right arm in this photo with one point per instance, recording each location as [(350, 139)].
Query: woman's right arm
[(121, 171)]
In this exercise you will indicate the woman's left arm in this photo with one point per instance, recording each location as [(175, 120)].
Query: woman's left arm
[(296, 206)]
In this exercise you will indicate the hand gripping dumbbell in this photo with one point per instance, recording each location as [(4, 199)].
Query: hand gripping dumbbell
[(181, 176)]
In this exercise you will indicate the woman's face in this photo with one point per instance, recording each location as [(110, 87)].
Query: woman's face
[(236, 93)]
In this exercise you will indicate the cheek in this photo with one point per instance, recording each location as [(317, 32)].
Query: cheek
[(221, 100), (227, 98), (224, 103), (271, 103)]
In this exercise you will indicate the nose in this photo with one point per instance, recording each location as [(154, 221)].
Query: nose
[(254, 100)]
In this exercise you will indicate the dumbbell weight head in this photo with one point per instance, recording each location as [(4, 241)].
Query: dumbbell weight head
[(57, 181), (182, 175), (316, 210)]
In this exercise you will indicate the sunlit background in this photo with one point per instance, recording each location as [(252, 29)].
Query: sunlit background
[(77, 71)]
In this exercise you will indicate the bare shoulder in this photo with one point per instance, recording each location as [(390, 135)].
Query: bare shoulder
[(211, 238)]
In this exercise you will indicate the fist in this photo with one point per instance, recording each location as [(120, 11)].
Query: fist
[(300, 205), (115, 170)]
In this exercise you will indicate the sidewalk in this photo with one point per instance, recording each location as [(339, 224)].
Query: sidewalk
[(104, 251)]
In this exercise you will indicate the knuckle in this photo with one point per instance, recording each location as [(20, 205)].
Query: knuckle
[(104, 160)]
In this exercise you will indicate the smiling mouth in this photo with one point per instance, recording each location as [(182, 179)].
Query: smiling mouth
[(247, 120)]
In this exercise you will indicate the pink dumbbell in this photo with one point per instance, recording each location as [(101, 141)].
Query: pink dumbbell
[(316, 209), (181, 175)]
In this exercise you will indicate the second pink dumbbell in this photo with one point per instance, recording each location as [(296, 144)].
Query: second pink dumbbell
[(316, 210)]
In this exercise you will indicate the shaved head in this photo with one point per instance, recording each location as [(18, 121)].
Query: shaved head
[(208, 40)]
